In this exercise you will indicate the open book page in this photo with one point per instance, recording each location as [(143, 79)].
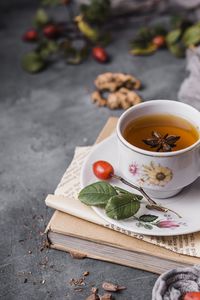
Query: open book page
[(65, 199)]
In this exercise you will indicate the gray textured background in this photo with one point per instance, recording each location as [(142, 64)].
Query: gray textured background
[(42, 119)]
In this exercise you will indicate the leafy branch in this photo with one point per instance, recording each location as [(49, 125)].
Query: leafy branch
[(183, 34), (118, 203), (73, 40)]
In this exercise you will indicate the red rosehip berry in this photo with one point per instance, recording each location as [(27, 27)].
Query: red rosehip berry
[(100, 54), (192, 296), (103, 169), (51, 31), (159, 41), (30, 36)]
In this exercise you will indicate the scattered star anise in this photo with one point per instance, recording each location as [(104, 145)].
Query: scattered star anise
[(163, 143)]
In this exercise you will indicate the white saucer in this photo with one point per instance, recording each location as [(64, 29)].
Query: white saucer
[(186, 203)]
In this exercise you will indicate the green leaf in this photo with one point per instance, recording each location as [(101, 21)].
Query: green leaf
[(76, 56), (148, 218), (139, 224), (159, 30), (97, 11), (150, 49), (104, 39), (41, 18), (87, 30), (122, 191), (145, 34), (177, 50), (180, 22), (122, 207), (47, 48), (192, 36), (148, 226), (32, 62), (97, 193), (173, 36)]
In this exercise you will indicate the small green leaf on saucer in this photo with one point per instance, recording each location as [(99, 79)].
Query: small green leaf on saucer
[(97, 194), (122, 207), (148, 218)]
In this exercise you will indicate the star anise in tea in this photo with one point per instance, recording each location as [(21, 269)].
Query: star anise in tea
[(163, 143)]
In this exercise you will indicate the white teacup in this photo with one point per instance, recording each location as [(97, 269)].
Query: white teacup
[(161, 174)]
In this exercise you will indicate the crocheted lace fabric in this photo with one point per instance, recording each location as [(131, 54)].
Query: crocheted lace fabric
[(173, 284)]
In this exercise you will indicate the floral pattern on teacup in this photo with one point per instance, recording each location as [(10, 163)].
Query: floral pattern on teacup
[(151, 174), (134, 169), (156, 174)]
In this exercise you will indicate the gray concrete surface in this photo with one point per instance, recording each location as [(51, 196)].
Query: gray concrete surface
[(42, 119)]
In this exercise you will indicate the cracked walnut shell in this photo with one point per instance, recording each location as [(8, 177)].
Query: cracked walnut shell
[(123, 98), (113, 81)]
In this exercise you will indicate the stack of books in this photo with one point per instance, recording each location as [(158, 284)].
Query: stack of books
[(72, 233)]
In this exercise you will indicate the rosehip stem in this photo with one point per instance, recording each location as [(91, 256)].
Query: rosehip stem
[(153, 204)]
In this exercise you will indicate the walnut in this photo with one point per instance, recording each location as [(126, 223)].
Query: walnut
[(119, 87), (106, 297), (123, 98), (93, 297), (113, 81), (98, 99)]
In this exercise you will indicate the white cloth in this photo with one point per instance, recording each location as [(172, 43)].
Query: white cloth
[(190, 88)]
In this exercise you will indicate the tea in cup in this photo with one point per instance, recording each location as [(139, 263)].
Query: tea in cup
[(159, 146)]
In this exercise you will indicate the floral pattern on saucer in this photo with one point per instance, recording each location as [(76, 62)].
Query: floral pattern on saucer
[(149, 221)]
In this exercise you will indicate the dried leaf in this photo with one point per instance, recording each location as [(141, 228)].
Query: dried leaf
[(89, 32), (149, 49)]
